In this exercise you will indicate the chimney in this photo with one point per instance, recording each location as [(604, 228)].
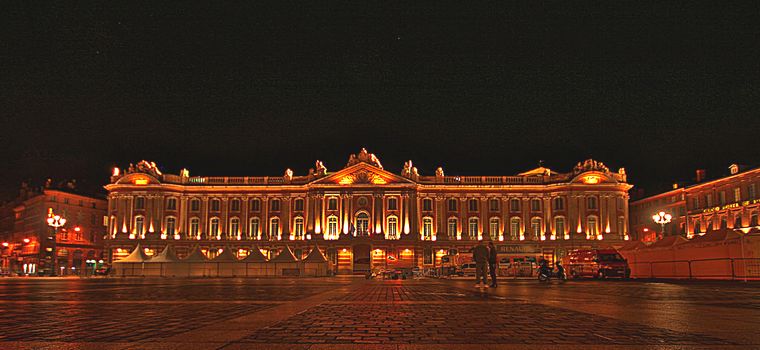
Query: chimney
[(701, 175)]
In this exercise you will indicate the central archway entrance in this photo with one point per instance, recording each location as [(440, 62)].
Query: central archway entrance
[(362, 259)]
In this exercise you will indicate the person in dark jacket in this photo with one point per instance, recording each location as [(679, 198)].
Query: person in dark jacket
[(492, 262), (480, 256)]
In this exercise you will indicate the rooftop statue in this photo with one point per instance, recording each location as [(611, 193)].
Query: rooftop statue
[(144, 167), (590, 165), (363, 157)]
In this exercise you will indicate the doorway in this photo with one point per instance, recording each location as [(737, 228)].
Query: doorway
[(362, 259)]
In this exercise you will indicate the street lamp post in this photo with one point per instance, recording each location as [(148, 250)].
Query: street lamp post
[(54, 221), (662, 218)]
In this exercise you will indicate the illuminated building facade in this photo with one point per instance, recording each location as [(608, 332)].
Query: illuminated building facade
[(27, 244), (730, 202), (366, 217)]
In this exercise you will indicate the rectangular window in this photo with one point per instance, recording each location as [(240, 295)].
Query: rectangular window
[(559, 226), (255, 204), (473, 205), (195, 205), (737, 194), (493, 205), (695, 203), (214, 205), (591, 203), (299, 204), (722, 198), (708, 200), (427, 204), (139, 203), (171, 204), (514, 205), (751, 191), (428, 254), (452, 205), (332, 204), (535, 205), (392, 204), (559, 203), (235, 205), (275, 205)]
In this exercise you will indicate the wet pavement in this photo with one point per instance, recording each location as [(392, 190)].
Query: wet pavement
[(335, 313)]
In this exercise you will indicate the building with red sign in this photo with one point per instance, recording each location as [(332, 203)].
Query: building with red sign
[(730, 202), (364, 216)]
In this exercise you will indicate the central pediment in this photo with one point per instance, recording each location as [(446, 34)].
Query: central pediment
[(361, 174)]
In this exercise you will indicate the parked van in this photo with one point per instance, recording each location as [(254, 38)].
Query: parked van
[(596, 263)]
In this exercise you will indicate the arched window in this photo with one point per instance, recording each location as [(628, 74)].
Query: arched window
[(255, 204), (514, 228), (472, 228), (274, 228), (195, 224), (332, 227), (139, 225), (195, 204), (392, 231), (723, 223), (559, 203), (535, 227), (493, 228), (753, 219), (362, 223), (427, 228), (592, 226), (737, 221), (298, 227), (427, 204), (332, 203), (234, 231), (235, 204), (213, 227), (171, 225), (452, 228), (254, 229), (559, 226)]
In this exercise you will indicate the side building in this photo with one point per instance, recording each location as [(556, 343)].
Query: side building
[(32, 247), (729, 202), (365, 217)]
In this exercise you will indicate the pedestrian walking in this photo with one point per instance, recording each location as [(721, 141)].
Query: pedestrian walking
[(492, 262), (480, 256)]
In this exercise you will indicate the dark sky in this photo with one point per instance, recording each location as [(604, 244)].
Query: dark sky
[(244, 88)]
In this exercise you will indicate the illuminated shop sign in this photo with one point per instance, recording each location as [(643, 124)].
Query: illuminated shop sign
[(731, 206)]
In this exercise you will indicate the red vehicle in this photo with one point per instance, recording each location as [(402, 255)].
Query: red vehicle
[(596, 263)]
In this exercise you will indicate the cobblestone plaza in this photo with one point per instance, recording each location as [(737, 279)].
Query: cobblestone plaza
[(350, 312)]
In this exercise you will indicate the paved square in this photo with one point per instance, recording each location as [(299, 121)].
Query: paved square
[(353, 312)]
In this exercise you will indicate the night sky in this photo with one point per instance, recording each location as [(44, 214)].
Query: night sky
[(245, 88)]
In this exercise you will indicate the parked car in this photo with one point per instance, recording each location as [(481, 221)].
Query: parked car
[(596, 263), (468, 269)]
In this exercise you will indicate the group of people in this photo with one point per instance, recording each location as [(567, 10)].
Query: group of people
[(485, 260)]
